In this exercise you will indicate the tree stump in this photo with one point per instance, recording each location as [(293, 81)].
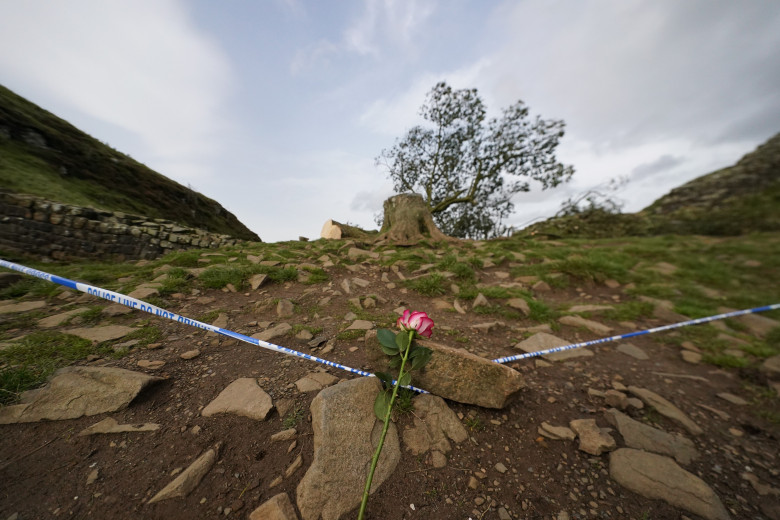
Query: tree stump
[(408, 220)]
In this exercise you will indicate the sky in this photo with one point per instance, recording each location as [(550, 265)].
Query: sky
[(277, 109)]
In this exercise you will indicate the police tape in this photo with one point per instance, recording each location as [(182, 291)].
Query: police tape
[(143, 306), (157, 311)]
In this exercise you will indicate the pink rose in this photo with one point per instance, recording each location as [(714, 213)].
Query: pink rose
[(417, 321)]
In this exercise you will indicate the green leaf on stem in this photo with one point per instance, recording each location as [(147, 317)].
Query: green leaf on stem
[(381, 404), (387, 379), (406, 379), (402, 340), (420, 357), (386, 339), (395, 362)]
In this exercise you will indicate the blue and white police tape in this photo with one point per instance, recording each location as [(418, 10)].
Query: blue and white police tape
[(134, 303), (697, 321)]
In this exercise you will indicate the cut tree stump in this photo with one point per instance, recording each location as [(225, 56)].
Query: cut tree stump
[(408, 220)]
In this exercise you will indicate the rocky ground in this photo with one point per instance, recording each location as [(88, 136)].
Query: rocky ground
[(635, 429)]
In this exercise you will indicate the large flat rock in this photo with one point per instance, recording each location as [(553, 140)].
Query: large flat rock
[(458, 375), (658, 477), (101, 334), (242, 397), (346, 433), (77, 391)]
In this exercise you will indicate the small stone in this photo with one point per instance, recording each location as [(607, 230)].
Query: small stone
[(690, 357), (592, 439), (285, 308), (500, 468), (150, 365), (733, 399), (519, 304), (480, 301), (292, 468), (541, 286), (190, 354), (92, 477), (473, 483), (633, 351), (284, 435)]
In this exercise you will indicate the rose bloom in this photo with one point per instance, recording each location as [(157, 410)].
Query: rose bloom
[(417, 321)]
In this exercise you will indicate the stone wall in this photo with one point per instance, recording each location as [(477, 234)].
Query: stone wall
[(35, 226)]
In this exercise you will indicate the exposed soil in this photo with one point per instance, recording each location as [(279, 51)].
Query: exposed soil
[(44, 466)]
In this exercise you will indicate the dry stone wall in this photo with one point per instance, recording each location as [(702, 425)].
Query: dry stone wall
[(36, 226)]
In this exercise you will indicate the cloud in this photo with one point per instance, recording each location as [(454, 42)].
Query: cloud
[(664, 163), (141, 67)]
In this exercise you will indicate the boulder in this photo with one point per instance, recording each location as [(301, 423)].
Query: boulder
[(658, 477), (458, 375), (346, 433), (74, 392)]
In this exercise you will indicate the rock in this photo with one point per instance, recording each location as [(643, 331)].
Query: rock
[(757, 325), (644, 437), (221, 321), (658, 477), (480, 300), (771, 366), (315, 381), (346, 433), (188, 479), (592, 439), (190, 354), (144, 291), (690, 357), (488, 326), (544, 341), (76, 391), (664, 268), (458, 375), (541, 286), (733, 399), (278, 507), (558, 433), (150, 365), (275, 332), (284, 435), (101, 334), (13, 308), (242, 397), (590, 308), (285, 308), (257, 281), (117, 309), (304, 335), (109, 425), (294, 466), (579, 321), (361, 325), (519, 304), (434, 424), (666, 409), (58, 319), (617, 399), (760, 488)]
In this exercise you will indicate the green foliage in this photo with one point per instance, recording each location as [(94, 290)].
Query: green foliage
[(32, 360), (218, 277), (92, 315), (316, 275), (429, 285), (293, 417), (467, 168)]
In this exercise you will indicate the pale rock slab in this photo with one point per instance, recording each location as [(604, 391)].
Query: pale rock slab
[(755, 323), (285, 308), (771, 366), (658, 477), (109, 425), (360, 325), (274, 332), (101, 334), (76, 391), (144, 291), (13, 308), (315, 381), (733, 399), (544, 341), (557, 433), (519, 304), (346, 433), (278, 507), (579, 321), (435, 425), (590, 308), (188, 479), (117, 309), (592, 439), (242, 397), (58, 319), (666, 408), (643, 437)]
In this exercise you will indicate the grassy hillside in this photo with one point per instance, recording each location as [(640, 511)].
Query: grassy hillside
[(740, 199), (43, 155)]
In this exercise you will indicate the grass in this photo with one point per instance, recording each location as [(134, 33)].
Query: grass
[(32, 360), (347, 335), (429, 285), (293, 417)]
